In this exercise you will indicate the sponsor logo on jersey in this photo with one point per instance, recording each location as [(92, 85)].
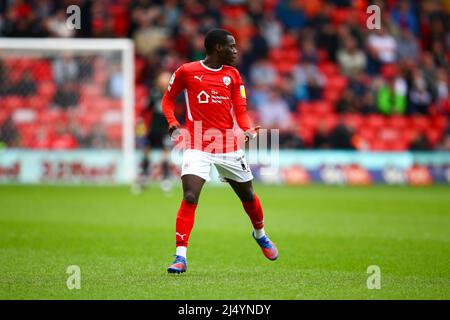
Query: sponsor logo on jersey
[(203, 97)]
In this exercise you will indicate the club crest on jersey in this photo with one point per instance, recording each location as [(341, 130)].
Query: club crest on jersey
[(227, 81)]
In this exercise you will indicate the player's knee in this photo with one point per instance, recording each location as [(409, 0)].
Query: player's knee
[(190, 196)]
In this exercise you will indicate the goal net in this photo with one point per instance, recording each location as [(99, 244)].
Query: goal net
[(67, 110)]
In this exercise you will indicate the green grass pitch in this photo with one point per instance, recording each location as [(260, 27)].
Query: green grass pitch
[(327, 237)]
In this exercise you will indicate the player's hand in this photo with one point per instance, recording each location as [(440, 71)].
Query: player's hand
[(252, 133), (174, 131)]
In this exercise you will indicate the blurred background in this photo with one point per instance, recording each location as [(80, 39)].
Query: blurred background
[(353, 105)]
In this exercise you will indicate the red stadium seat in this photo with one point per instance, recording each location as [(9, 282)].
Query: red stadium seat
[(353, 120), (440, 122), (337, 82), (47, 90), (42, 70), (322, 108), (368, 134), (397, 121), (375, 121), (332, 95), (340, 15), (307, 135), (12, 102), (329, 69), (289, 42), (328, 122), (420, 122), (434, 135)]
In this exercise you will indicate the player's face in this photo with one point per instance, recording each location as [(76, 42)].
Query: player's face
[(228, 53)]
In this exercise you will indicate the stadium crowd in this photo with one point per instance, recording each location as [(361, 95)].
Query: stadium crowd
[(313, 69)]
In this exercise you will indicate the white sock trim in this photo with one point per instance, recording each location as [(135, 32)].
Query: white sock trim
[(259, 233), (181, 251)]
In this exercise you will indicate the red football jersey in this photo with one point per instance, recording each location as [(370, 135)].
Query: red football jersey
[(214, 98)]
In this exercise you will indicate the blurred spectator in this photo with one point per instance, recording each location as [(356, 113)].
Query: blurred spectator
[(114, 84), (9, 134), (351, 59), (442, 88), (408, 47), (262, 72), (382, 48), (391, 96), (63, 139), (290, 140), (321, 139), (291, 14), (25, 87), (274, 112), (368, 105), (65, 69), (420, 143), (309, 81), (445, 145), (259, 45), (404, 16), (341, 138), (286, 87), (151, 32), (347, 103), (4, 78), (56, 25), (97, 137), (67, 95), (271, 29), (419, 97)]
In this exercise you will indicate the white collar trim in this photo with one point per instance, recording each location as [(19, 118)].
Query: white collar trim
[(201, 61)]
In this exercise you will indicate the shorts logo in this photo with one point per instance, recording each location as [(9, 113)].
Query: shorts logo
[(227, 81)]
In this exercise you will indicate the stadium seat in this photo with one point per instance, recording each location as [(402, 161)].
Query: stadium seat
[(420, 122), (353, 120), (336, 82), (329, 69), (340, 15), (288, 42), (332, 95), (375, 121), (47, 90), (397, 121), (434, 135), (42, 71)]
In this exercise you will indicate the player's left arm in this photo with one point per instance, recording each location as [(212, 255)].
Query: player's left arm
[(239, 99)]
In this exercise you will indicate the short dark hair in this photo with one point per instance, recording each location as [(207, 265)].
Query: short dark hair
[(215, 36)]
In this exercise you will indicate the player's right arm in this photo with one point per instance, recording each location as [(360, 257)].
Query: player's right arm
[(176, 84)]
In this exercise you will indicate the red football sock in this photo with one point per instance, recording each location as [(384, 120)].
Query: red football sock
[(255, 212), (185, 222)]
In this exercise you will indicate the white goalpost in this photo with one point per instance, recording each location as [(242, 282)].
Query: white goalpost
[(79, 95)]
